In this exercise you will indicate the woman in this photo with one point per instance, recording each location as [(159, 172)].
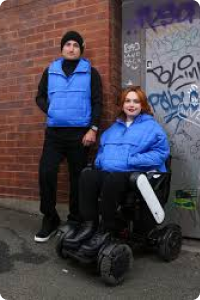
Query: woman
[(135, 142)]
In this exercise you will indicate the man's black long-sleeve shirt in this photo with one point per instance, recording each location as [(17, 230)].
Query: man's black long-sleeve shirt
[(96, 91)]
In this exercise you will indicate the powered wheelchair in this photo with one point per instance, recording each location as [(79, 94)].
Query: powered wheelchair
[(140, 219)]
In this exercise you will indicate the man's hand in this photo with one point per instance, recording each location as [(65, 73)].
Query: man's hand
[(89, 138)]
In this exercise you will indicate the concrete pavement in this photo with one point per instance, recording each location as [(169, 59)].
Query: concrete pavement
[(33, 271)]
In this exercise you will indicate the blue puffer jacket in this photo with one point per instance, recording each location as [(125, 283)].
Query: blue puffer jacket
[(69, 96), (143, 146)]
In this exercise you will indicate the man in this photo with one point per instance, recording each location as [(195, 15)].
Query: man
[(70, 93)]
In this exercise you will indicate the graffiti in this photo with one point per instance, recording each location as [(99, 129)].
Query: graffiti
[(132, 58), (168, 102), (194, 95), (177, 149), (186, 199), (169, 77), (191, 111), (177, 142), (149, 64), (169, 46), (177, 106), (189, 114), (186, 136), (163, 15), (172, 86), (194, 149)]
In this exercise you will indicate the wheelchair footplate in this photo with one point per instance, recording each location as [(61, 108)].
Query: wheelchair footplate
[(79, 255)]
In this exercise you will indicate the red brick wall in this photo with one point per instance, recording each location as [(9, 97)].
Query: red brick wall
[(30, 33)]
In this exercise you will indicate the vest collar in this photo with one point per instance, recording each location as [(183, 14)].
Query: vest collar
[(84, 66)]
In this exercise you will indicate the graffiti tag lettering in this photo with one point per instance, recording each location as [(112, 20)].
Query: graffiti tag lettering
[(163, 15), (168, 102), (171, 45), (169, 77), (132, 57)]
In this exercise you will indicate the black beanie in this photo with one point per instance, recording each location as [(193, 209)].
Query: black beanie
[(74, 36)]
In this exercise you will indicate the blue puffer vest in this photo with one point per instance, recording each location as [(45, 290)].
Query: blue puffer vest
[(69, 96), (141, 147)]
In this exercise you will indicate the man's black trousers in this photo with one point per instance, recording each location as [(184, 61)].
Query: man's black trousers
[(61, 143)]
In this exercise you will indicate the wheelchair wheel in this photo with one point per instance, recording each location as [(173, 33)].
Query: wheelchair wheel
[(170, 243), (59, 247), (114, 261)]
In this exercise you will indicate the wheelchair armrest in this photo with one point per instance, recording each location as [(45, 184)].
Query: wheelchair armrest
[(149, 175)]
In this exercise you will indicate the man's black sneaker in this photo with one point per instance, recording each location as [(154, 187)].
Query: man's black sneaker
[(49, 228)]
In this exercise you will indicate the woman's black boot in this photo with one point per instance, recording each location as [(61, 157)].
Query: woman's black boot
[(85, 232), (92, 247)]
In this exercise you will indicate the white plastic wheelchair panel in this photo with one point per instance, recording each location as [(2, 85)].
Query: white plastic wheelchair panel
[(150, 198)]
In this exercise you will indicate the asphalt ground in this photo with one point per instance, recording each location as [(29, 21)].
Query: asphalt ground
[(34, 271)]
